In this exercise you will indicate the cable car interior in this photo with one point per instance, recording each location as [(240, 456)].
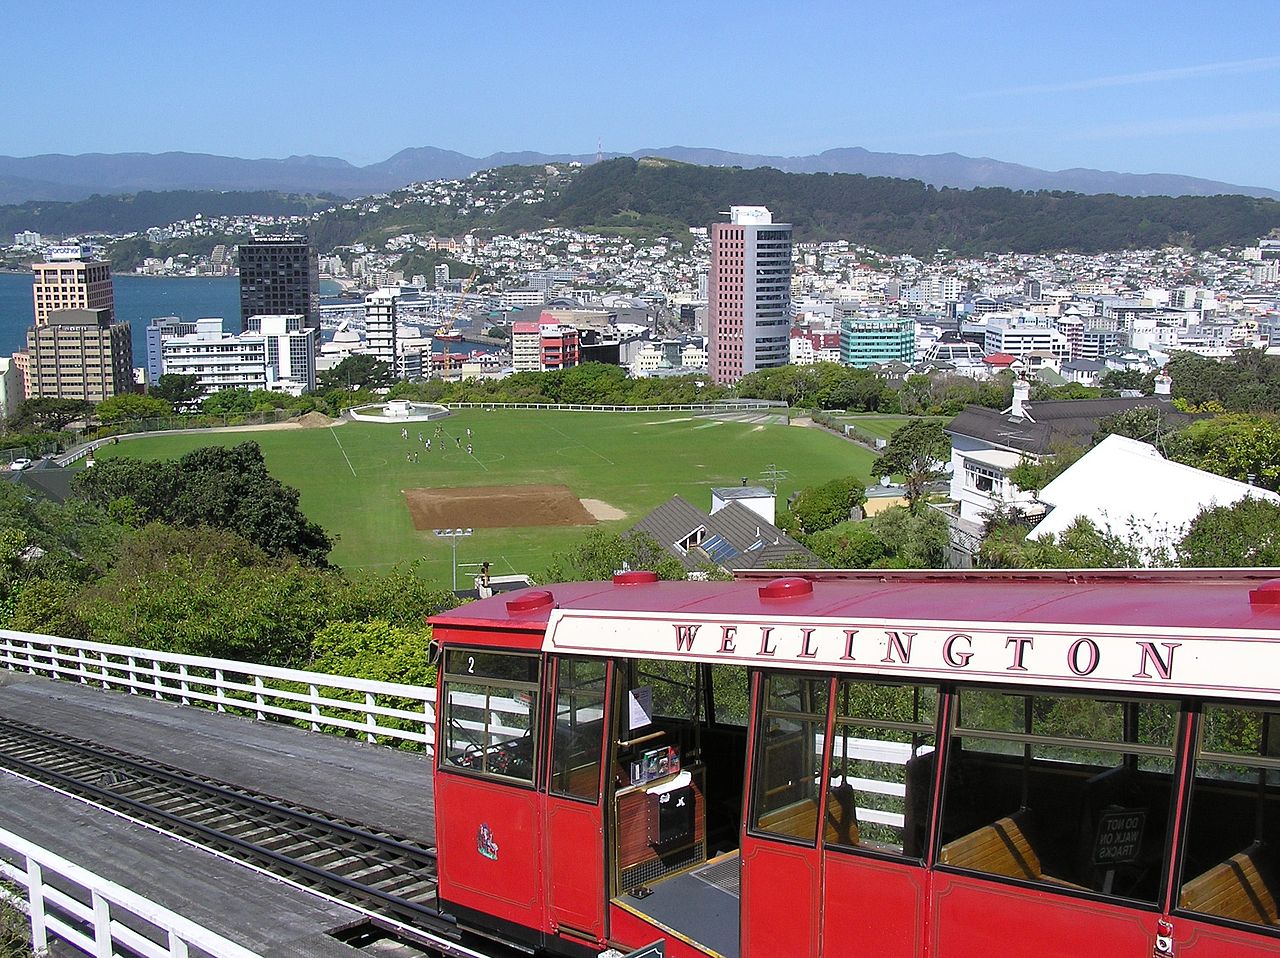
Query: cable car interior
[(679, 764)]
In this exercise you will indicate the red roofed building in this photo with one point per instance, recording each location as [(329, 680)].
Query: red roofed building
[(999, 362), (544, 346)]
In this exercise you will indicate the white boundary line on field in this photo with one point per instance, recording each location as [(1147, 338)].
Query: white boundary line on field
[(343, 451)]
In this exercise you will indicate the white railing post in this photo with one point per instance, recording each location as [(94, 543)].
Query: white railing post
[(158, 679), (314, 692), (182, 683), (101, 926), (220, 694), (370, 719), (54, 665), (104, 671), (133, 675), (177, 947), (35, 901), (259, 698), (84, 672)]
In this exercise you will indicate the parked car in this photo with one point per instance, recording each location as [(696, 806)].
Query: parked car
[(19, 464)]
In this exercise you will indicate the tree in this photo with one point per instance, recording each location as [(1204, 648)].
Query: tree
[(600, 554), (180, 390), (1238, 446), (132, 406), (912, 540), (358, 372), (1244, 534), (228, 402), (225, 488), (1032, 475), (1142, 423), (821, 507), (917, 452), (205, 591), (849, 545), (45, 413)]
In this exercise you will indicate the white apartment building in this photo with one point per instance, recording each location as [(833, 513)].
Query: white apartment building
[(1021, 340), (380, 324), (274, 358)]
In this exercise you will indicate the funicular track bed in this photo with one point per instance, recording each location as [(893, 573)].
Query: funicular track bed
[(376, 871)]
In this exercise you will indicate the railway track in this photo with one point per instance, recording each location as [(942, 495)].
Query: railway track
[(378, 872)]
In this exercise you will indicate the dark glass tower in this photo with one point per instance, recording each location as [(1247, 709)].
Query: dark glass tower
[(279, 276)]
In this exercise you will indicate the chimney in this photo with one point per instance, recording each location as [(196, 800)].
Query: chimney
[(1164, 384), (1021, 393)]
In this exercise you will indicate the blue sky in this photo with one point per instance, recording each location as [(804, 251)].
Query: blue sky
[(1183, 87)]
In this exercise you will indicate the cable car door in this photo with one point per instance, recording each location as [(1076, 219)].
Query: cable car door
[(574, 849), (781, 863)]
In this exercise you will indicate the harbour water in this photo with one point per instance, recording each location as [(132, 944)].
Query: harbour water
[(140, 299)]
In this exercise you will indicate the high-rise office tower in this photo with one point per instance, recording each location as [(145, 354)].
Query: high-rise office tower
[(70, 278), (748, 294), (380, 324), (279, 276)]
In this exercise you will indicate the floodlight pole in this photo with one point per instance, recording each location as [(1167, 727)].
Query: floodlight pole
[(453, 535)]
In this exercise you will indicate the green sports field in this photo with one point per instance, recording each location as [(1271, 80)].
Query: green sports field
[(883, 426), (352, 477)]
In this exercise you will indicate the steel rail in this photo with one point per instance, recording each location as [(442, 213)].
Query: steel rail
[(102, 761)]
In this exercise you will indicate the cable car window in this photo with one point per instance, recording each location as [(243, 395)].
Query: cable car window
[(492, 665), (491, 713), (1067, 791), (787, 770), (1230, 867), (730, 695), (674, 685), (579, 735), (882, 767)]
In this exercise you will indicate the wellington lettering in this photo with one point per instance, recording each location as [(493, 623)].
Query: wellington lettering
[(1079, 656)]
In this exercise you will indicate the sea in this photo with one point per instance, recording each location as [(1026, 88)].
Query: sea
[(138, 299)]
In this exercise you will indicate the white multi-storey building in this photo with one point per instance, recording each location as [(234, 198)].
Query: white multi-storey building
[(749, 294), (272, 357), (380, 324)]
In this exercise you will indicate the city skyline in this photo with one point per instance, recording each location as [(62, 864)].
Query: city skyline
[(1094, 85)]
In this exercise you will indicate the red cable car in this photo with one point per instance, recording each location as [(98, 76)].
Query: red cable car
[(882, 763)]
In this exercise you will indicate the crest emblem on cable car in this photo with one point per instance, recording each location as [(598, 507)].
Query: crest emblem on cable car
[(485, 844)]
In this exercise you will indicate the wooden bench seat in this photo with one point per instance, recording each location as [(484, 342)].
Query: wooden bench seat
[(799, 820), (1240, 888), (1001, 848)]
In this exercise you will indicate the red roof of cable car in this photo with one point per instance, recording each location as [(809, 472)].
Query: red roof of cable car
[(1211, 599)]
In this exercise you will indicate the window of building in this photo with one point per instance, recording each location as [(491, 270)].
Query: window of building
[(882, 767), (1067, 791), (787, 777), (1230, 867), (491, 713)]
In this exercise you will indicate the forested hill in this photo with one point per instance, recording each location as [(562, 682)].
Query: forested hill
[(906, 215), (138, 211)]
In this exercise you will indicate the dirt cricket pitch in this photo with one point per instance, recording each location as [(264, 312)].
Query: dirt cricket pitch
[(496, 507)]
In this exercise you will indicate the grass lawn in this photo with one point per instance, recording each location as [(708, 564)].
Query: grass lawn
[(884, 426), (352, 477)]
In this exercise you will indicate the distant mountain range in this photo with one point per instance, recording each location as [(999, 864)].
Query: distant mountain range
[(57, 176)]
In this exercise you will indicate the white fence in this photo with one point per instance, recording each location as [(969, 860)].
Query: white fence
[(378, 711), (85, 910), (745, 405)]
